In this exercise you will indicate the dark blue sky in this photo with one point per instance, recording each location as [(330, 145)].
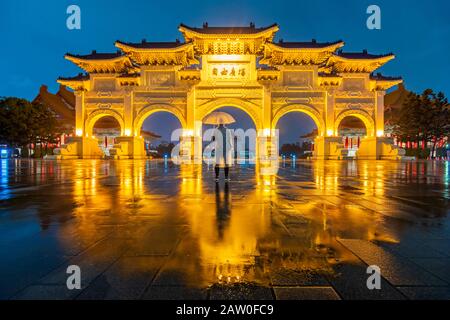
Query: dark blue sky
[(35, 38)]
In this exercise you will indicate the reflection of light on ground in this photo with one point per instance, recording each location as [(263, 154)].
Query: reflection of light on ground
[(4, 178), (216, 234), (446, 173)]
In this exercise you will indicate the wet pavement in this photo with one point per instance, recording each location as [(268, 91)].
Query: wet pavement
[(152, 230)]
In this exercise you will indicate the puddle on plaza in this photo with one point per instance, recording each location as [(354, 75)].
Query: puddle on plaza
[(246, 231)]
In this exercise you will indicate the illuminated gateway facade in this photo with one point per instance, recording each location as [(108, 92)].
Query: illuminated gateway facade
[(229, 66)]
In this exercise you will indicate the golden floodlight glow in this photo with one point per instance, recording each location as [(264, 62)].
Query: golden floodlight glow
[(79, 132), (380, 133), (228, 57), (329, 132), (127, 132)]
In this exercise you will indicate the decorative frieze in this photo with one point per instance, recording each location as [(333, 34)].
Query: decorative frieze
[(160, 79), (302, 79)]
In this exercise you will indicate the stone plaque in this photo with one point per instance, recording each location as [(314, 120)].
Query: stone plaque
[(298, 79)]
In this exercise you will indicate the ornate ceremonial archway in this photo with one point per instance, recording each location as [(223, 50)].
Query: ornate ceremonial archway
[(240, 67), (310, 111), (252, 110), (147, 111), (97, 114), (360, 114)]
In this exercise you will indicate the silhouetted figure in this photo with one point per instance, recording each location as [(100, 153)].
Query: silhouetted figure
[(223, 150)]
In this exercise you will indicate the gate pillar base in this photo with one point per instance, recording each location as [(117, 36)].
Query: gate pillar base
[(327, 148), (379, 148), (128, 148)]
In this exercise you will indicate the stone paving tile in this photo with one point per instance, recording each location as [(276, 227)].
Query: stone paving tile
[(22, 275), (127, 278), (439, 245), (305, 293), (92, 263), (160, 240), (241, 291), (18, 230), (287, 277), (398, 271), (101, 215), (426, 293), (46, 292), (412, 250), (350, 281), (101, 289), (174, 293), (173, 277), (437, 266)]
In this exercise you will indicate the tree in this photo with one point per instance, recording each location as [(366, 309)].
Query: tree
[(440, 114), (15, 115), (424, 117), (165, 149), (45, 127), (291, 149), (23, 123)]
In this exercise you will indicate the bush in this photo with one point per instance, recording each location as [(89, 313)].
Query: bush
[(418, 153), (441, 152)]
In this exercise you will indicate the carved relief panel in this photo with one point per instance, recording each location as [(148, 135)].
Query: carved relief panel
[(104, 84), (160, 79), (301, 79), (355, 84)]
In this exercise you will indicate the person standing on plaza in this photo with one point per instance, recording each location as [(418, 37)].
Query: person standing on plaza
[(223, 138)]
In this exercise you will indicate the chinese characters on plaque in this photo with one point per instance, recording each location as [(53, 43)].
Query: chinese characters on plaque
[(228, 72)]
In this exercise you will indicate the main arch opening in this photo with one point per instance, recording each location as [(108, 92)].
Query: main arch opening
[(296, 131), (106, 129), (244, 135), (156, 130), (352, 130)]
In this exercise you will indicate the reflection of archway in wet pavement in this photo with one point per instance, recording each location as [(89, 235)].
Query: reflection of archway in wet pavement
[(286, 229)]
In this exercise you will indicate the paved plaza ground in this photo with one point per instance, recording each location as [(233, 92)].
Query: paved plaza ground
[(153, 230)]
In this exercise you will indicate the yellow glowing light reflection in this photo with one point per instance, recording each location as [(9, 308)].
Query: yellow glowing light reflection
[(228, 229)]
